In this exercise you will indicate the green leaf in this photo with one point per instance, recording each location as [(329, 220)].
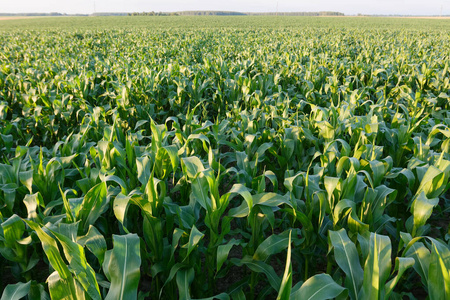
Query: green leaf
[(16, 291), (401, 265), (140, 123), (194, 238), (51, 250), (173, 271), (93, 204), (122, 266), (38, 292), (439, 271), (260, 267), (69, 230), (172, 151), (7, 173), (177, 234), (272, 245), (26, 178), (270, 199), (192, 166), (355, 225), (330, 185), (377, 267), (120, 209), (236, 291), (429, 180), (153, 234), (222, 296), (341, 207), (64, 288), (319, 287), (78, 264), (117, 180), (422, 208), (223, 251), (143, 169), (286, 283), (378, 171), (62, 271), (200, 190), (273, 178), (419, 253), (263, 148), (289, 181), (184, 280), (69, 215), (239, 212), (13, 229), (239, 189), (347, 259), (32, 202), (95, 242), (383, 198)]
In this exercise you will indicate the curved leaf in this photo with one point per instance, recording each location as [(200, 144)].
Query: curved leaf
[(92, 206), (260, 267), (272, 245), (319, 287), (78, 264), (16, 291), (222, 252)]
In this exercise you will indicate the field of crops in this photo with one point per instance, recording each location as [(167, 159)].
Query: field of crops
[(224, 158)]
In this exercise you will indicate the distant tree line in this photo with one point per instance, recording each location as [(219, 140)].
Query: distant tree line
[(52, 14), (182, 13), (234, 13), (152, 13), (305, 14), (210, 13), (108, 14)]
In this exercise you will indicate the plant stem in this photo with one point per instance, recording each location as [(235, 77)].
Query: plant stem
[(329, 265), (306, 267), (252, 285)]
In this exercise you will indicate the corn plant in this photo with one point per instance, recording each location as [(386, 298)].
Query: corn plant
[(205, 158)]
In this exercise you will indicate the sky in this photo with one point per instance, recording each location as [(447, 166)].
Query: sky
[(350, 7)]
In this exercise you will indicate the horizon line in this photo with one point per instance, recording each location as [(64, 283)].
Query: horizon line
[(224, 11)]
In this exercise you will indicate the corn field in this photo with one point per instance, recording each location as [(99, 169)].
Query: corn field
[(224, 158)]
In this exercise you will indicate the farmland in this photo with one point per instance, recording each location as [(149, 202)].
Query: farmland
[(224, 158)]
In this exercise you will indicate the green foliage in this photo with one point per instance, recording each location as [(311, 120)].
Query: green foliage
[(121, 267), (206, 158)]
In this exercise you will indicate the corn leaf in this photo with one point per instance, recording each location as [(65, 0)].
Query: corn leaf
[(346, 257), (16, 291), (319, 287), (122, 267)]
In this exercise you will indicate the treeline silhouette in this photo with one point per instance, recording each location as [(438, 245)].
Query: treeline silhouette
[(306, 14), (52, 14), (180, 13), (234, 13), (152, 13)]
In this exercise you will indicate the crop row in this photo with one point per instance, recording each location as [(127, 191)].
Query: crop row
[(230, 163)]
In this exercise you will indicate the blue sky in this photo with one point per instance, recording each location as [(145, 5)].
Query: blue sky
[(410, 7)]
